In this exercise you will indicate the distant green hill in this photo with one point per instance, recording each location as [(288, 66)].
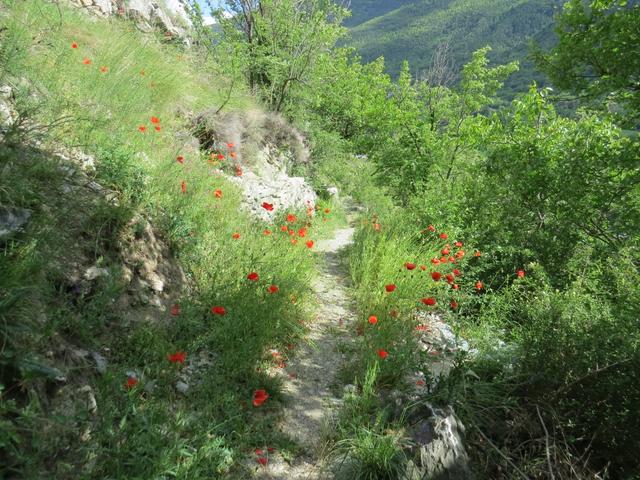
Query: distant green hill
[(412, 30)]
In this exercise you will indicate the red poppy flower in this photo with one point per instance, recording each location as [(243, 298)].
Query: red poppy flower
[(291, 218), (284, 228), (142, 128), (431, 228), (131, 382), (326, 210), (273, 288), (460, 254), (104, 69), (155, 120), (259, 397), (423, 267), (266, 231), (436, 276), (455, 286), (420, 382), (421, 328), (291, 232), (451, 260), (373, 319), (271, 449), (456, 272), (235, 236), (454, 305), (458, 244), (178, 357), (477, 254), (390, 288), (410, 266), (220, 156), (309, 243), (262, 460), (445, 251), (180, 159), (258, 451), (86, 61), (218, 310), (74, 45), (450, 278), (183, 186), (230, 146), (479, 285), (429, 301), (253, 276), (175, 310), (520, 273), (383, 354), (302, 232), (157, 128), (217, 193), (435, 261), (238, 172), (267, 206), (233, 154), (376, 227)]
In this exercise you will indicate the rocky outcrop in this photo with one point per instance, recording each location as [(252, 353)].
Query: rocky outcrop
[(169, 16)]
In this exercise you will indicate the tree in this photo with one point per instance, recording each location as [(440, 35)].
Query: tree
[(598, 53)]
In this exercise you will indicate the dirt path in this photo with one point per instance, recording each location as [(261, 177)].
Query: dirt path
[(308, 395)]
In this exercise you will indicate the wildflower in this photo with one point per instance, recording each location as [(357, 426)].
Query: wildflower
[(445, 251), (444, 236), (86, 61), (435, 261), (450, 278), (479, 285), (155, 120), (302, 232), (271, 449), (131, 382), (284, 228), (175, 310), (327, 211), (142, 128), (235, 236), (253, 276), (259, 397), (410, 266), (453, 304), (383, 354), (460, 254), (421, 328), (291, 218), (520, 273), (178, 357), (157, 128), (266, 231), (373, 319), (458, 244), (431, 228), (456, 272), (267, 206), (104, 69), (451, 260), (376, 227), (230, 146), (477, 253), (183, 186), (273, 289), (74, 45), (220, 157), (294, 241), (309, 243), (261, 460), (291, 232), (217, 193), (180, 159), (455, 286), (258, 451), (390, 288), (436, 276), (238, 172), (423, 267), (420, 383), (429, 301), (218, 311), (233, 154)]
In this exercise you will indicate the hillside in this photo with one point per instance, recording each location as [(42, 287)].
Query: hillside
[(400, 30)]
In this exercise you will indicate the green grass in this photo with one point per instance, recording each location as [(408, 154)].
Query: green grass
[(148, 431)]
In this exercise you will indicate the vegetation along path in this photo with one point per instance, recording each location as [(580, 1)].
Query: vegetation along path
[(313, 371)]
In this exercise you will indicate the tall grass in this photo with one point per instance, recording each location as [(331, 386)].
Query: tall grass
[(149, 430)]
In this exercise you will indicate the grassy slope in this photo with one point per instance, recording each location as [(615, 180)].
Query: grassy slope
[(136, 433), (414, 30)]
